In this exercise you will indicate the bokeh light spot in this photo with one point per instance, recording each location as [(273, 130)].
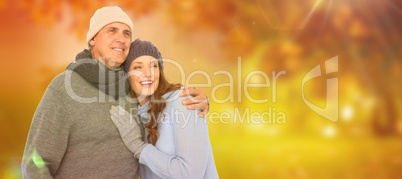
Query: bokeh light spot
[(37, 159), (329, 131), (347, 113)]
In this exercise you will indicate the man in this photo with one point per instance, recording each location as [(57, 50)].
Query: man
[(72, 135)]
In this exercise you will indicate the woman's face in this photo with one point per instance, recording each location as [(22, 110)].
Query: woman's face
[(144, 77)]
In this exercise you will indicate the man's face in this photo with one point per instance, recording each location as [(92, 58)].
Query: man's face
[(111, 44)]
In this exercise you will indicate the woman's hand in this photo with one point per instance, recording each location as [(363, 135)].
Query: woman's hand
[(129, 129)]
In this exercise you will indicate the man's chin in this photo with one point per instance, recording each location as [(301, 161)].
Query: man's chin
[(116, 62)]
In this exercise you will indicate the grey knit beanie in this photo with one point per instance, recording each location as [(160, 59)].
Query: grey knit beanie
[(139, 48)]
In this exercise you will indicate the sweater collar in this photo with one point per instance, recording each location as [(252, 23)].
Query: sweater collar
[(168, 97), (111, 81)]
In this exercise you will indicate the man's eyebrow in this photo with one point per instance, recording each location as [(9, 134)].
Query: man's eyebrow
[(127, 31), (112, 27)]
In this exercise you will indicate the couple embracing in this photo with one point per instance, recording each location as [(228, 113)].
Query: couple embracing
[(137, 131)]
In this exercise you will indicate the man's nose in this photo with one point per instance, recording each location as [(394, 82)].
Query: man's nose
[(120, 37)]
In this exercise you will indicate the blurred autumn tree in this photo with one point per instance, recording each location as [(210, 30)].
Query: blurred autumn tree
[(272, 35), (49, 12), (293, 35)]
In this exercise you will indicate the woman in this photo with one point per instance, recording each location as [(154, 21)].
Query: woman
[(177, 142)]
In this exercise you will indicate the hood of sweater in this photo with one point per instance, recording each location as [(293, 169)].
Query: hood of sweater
[(111, 81)]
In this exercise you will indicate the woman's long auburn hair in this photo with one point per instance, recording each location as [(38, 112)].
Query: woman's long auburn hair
[(156, 106)]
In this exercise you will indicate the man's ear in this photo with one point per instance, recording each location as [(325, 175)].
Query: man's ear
[(92, 42)]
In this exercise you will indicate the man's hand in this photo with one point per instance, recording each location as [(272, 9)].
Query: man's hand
[(129, 129), (199, 101)]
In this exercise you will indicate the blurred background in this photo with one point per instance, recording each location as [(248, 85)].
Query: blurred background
[(264, 131)]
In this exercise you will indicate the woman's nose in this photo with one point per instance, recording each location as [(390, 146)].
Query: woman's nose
[(147, 72)]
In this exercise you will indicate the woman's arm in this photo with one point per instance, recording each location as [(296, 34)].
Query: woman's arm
[(191, 142)]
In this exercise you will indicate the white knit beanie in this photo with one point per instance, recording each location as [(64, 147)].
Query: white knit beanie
[(105, 16)]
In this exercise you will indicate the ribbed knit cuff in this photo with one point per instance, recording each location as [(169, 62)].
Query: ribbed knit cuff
[(140, 150), (144, 152)]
